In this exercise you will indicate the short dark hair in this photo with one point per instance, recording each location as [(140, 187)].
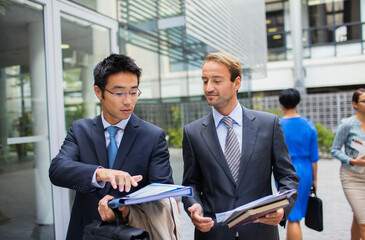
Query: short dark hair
[(113, 64), (357, 93), (289, 98)]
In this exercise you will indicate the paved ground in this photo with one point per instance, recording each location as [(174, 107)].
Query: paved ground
[(337, 212), (17, 201)]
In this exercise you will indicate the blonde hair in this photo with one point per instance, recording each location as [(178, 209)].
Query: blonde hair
[(230, 61)]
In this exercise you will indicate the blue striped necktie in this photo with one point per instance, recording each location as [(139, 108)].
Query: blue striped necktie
[(232, 148), (112, 147)]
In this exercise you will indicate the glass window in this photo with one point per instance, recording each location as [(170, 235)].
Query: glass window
[(26, 199), (173, 58), (140, 14), (84, 44), (143, 48), (275, 28), (173, 61), (276, 36), (155, 37), (107, 7), (334, 21), (321, 21), (197, 50)]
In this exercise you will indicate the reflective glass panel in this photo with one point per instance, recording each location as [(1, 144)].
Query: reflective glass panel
[(334, 21), (26, 199), (84, 44), (107, 7), (143, 48), (275, 25)]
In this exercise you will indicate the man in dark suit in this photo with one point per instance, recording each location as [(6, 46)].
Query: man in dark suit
[(230, 155), (95, 161)]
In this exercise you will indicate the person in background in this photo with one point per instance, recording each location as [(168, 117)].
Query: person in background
[(352, 171), (301, 140), (112, 154), (230, 156)]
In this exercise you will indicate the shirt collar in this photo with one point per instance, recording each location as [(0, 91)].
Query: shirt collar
[(236, 115), (120, 124)]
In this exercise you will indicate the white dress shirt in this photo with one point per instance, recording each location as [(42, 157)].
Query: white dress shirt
[(221, 128), (118, 139)]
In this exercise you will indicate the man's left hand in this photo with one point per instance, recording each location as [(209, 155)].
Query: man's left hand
[(273, 218), (107, 213)]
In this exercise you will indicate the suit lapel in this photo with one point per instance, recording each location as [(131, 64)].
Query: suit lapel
[(98, 136), (130, 133), (249, 135), (209, 135)]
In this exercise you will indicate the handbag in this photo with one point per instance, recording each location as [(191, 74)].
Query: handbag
[(314, 213), (100, 230)]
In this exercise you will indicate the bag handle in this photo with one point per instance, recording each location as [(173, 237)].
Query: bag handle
[(313, 191), (118, 217)]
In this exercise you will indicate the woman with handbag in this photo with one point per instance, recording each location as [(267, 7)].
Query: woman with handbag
[(352, 172), (301, 140)]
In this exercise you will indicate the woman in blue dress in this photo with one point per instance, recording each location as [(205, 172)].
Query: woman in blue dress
[(301, 139)]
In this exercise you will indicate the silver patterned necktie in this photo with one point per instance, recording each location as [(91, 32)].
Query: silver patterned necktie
[(232, 148)]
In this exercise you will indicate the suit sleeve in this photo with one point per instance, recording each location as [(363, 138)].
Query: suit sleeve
[(160, 169), (283, 169), (192, 172), (67, 170)]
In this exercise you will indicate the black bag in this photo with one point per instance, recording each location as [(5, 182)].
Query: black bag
[(100, 230), (314, 214)]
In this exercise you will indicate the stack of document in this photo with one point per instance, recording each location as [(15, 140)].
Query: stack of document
[(357, 149), (152, 192), (254, 210)]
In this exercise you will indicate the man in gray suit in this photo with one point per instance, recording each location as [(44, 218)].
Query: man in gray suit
[(230, 155)]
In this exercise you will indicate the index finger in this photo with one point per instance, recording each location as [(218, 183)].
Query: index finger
[(199, 218), (104, 201), (135, 179), (109, 197), (127, 183), (113, 182)]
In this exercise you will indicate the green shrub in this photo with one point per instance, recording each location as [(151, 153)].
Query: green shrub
[(278, 112), (325, 137), (175, 132), (175, 137)]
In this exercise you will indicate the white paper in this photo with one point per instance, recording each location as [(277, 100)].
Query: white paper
[(357, 149)]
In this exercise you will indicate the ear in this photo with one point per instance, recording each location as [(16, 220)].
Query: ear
[(237, 83), (354, 104), (98, 92)]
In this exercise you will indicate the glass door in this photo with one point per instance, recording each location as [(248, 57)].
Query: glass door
[(26, 198), (82, 39)]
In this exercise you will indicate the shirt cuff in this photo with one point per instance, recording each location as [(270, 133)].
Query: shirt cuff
[(346, 161), (95, 183)]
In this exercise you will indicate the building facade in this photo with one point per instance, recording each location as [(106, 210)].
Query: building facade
[(333, 40), (48, 51)]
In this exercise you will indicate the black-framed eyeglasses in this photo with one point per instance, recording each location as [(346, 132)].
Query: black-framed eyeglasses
[(132, 94)]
